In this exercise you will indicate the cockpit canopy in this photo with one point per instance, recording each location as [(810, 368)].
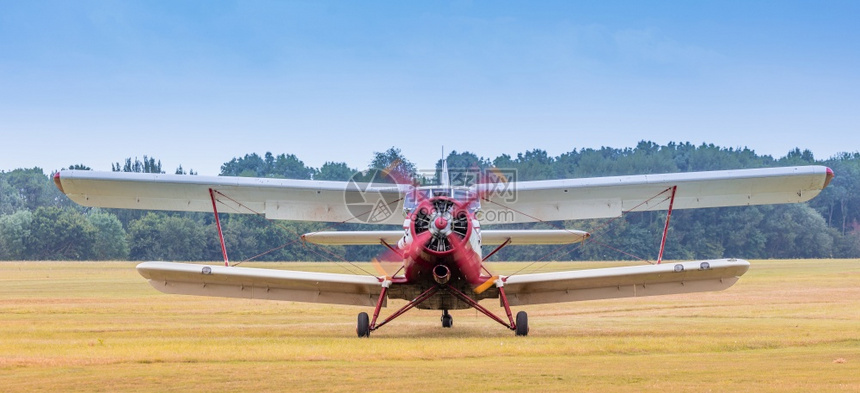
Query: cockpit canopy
[(460, 194)]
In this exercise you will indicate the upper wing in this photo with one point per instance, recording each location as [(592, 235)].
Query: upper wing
[(285, 199), (603, 197), (547, 200), (252, 283), (618, 282)]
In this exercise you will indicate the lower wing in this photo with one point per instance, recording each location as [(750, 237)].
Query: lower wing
[(619, 282), (252, 283)]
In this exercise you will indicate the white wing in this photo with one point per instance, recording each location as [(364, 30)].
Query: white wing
[(532, 236), (529, 201), (330, 288), (252, 283), (283, 199), (490, 236), (603, 197), (353, 237), (630, 281)]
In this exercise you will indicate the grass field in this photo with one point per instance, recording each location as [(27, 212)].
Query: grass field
[(99, 327)]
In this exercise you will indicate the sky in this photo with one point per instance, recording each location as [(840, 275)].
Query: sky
[(199, 83)]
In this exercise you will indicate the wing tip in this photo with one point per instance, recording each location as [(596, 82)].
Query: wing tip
[(828, 177), (58, 183)]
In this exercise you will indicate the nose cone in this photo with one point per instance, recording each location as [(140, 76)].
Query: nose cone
[(441, 223)]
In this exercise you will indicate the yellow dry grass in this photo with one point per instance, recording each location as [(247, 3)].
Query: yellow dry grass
[(99, 327)]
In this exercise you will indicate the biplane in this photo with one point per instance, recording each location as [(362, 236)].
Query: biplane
[(440, 242)]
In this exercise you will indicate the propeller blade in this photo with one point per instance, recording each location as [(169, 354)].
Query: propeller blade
[(379, 269), (486, 285)]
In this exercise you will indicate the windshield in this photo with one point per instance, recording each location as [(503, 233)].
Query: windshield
[(460, 194)]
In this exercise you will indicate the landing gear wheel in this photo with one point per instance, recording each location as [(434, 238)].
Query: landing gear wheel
[(522, 324), (363, 328), (447, 319)]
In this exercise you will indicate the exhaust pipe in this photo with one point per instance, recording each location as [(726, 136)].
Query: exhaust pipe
[(441, 274)]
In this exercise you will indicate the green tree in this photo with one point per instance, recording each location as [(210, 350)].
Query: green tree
[(167, 237), (59, 234), (392, 161), (180, 171), (182, 238), (148, 165), (796, 231), (110, 239), (830, 228), (334, 171), (289, 166), (10, 199), (533, 165), (797, 157), (144, 237), (285, 166), (839, 203), (251, 165), (15, 235), (462, 167), (31, 188)]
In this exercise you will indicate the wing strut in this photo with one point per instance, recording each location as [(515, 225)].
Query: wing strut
[(414, 302), (394, 250), (474, 304), (496, 250), (218, 225), (666, 228)]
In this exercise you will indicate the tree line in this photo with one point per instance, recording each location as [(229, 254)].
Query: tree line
[(37, 222)]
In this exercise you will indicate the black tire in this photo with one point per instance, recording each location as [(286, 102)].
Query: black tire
[(522, 324), (447, 321), (363, 328)]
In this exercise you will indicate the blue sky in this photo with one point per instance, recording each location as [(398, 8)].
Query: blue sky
[(198, 83)]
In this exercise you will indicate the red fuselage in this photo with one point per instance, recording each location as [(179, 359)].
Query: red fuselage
[(439, 246)]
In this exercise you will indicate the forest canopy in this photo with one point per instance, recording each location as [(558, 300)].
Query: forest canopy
[(37, 222)]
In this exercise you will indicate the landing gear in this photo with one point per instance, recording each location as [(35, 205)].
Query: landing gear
[(447, 319), (522, 324), (363, 328)]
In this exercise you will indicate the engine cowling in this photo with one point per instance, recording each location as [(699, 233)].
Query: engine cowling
[(439, 226)]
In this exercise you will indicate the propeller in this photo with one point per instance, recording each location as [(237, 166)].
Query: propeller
[(440, 227), (389, 262), (486, 285)]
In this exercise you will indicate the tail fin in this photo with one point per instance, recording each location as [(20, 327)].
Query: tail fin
[(445, 180)]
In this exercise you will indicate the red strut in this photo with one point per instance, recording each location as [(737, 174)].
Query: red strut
[(666, 228), (218, 225)]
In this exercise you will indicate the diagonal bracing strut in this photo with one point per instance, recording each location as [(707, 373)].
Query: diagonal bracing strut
[(666, 228), (218, 225), (432, 291), (412, 303)]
